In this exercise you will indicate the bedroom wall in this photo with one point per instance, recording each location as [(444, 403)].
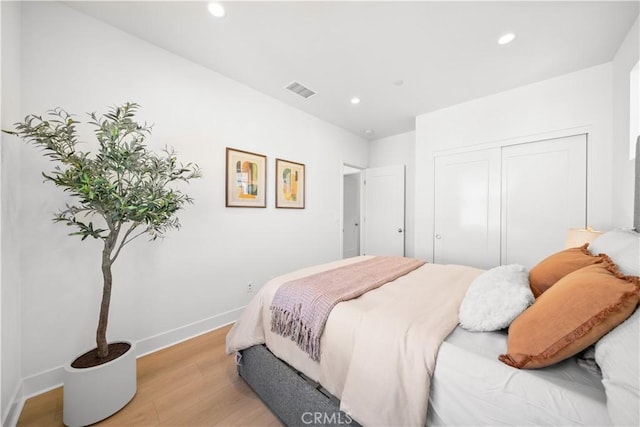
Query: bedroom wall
[(10, 353), (396, 150), (195, 279), (623, 167), (577, 100)]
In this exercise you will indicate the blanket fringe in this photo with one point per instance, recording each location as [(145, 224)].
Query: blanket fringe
[(289, 324)]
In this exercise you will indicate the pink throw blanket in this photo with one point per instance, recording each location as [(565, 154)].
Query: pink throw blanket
[(300, 308)]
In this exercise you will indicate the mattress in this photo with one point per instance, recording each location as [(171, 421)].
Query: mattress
[(470, 386)]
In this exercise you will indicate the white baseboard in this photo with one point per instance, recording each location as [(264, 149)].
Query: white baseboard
[(48, 380), (183, 333), (42, 382), (10, 418)]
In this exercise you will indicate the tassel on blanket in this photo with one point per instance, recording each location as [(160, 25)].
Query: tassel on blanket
[(288, 324)]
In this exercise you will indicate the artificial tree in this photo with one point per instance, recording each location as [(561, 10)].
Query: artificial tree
[(121, 192)]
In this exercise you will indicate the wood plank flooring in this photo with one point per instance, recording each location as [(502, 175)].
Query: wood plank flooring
[(193, 383)]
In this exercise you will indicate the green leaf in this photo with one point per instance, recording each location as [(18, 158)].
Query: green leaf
[(122, 181)]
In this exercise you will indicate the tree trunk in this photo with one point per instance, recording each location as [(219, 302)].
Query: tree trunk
[(101, 333)]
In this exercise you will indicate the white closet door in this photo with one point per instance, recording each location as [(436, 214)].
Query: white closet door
[(543, 195), (467, 209)]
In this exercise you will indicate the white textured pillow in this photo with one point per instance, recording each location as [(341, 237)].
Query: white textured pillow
[(617, 356), (495, 298)]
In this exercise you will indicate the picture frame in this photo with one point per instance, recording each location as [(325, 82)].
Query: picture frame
[(290, 184), (246, 179)]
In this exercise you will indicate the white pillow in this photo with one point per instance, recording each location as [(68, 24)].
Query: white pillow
[(617, 356), (628, 259), (623, 247), (495, 298), (613, 241)]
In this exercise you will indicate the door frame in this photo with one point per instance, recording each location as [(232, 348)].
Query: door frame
[(561, 133), (344, 165)]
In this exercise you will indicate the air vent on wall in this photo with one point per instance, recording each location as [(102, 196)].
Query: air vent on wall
[(299, 89)]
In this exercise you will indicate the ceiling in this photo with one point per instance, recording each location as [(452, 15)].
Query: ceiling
[(401, 59)]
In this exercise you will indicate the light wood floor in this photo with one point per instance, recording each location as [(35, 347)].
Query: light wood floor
[(193, 383)]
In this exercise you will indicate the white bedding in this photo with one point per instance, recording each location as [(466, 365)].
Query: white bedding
[(378, 350), (471, 387)]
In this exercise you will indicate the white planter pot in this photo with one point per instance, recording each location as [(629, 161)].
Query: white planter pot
[(93, 394)]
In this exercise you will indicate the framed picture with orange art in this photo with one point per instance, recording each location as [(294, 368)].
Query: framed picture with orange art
[(246, 179), (289, 184)]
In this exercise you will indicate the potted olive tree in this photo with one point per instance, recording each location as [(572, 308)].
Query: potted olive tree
[(120, 192)]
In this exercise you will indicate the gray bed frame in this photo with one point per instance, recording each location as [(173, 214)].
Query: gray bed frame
[(299, 401), (293, 397)]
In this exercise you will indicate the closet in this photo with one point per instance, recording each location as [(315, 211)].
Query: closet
[(510, 204)]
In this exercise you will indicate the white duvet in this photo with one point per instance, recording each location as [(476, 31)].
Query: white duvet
[(378, 350)]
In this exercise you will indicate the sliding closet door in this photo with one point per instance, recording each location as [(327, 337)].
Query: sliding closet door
[(467, 209), (544, 193)]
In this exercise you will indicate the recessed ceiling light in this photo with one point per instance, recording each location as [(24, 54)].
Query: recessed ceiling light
[(355, 100), (369, 131), (507, 38), (216, 9)]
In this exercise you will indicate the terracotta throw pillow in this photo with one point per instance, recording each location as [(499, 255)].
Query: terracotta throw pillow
[(556, 266), (573, 314)]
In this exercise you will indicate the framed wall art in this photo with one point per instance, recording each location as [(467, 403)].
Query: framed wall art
[(290, 184), (246, 179)]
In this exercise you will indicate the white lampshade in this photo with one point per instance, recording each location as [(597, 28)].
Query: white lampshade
[(579, 236)]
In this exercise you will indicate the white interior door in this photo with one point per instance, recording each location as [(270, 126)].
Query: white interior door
[(351, 215), (384, 211), (544, 193), (467, 209)]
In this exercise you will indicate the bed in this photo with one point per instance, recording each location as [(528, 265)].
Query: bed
[(401, 354)]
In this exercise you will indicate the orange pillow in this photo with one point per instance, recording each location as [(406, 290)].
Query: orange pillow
[(553, 268), (578, 310)]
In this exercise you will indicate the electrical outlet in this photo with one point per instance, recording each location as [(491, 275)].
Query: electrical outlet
[(250, 287)]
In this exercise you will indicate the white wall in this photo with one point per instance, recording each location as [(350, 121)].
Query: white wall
[(623, 167), (196, 278), (578, 100), (9, 200), (399, 150)]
